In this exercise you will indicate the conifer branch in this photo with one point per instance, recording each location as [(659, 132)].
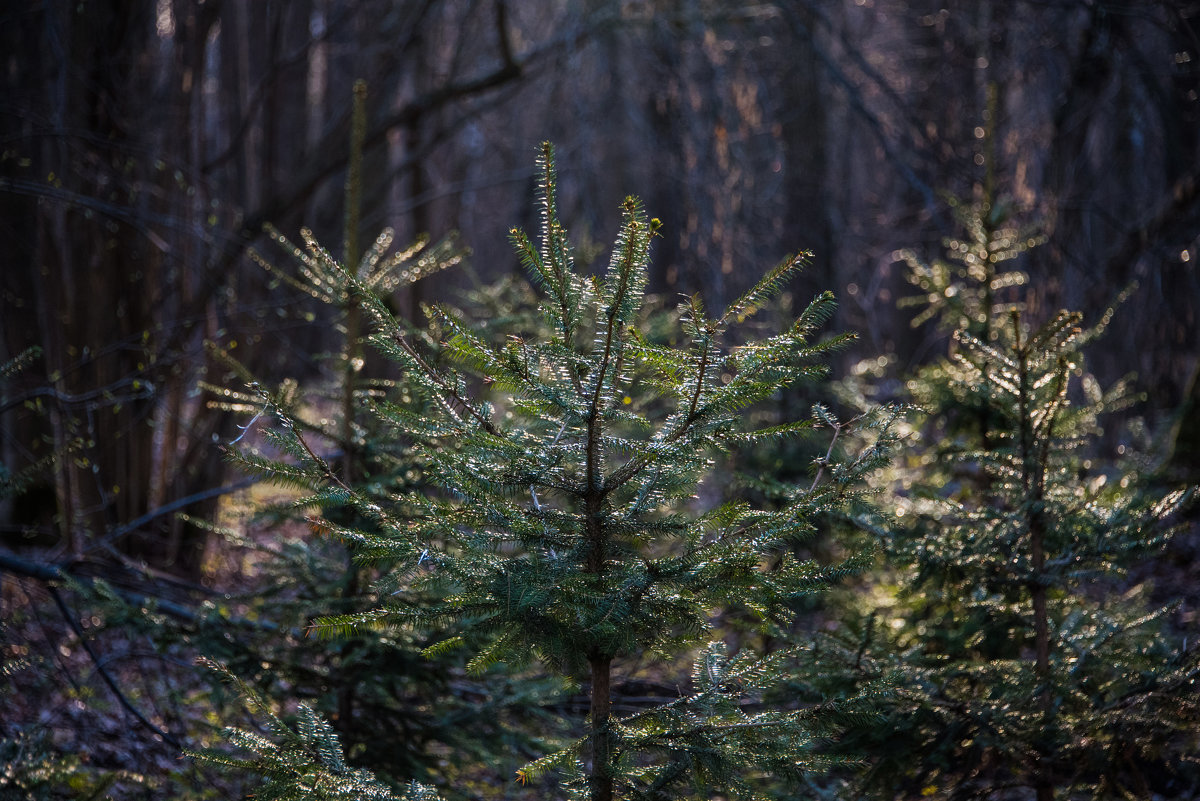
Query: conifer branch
[(637, 464), (694, 403), (319, 461), (445, 387)]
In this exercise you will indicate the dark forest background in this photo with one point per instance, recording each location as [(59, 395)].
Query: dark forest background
[(143, 146), (146, 144)]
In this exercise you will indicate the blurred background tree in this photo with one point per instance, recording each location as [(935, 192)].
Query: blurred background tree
[(145, 144)]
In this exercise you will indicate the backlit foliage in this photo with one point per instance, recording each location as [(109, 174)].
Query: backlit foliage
[(559, 516), (1027, 664)]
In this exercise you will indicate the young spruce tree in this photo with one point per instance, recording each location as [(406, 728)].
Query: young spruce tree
[(566, 526), (1030, 670)]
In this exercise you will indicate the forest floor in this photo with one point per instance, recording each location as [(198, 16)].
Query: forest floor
[(93, 691), (100, 689)]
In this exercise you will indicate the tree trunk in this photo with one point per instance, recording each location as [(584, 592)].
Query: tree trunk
[(599, 778), (1033, 482)]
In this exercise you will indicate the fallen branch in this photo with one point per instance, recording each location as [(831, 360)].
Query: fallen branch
[(53, 575), (166, 736)]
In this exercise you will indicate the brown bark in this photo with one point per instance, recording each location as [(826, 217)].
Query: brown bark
[(599, 779), (1033, 484)]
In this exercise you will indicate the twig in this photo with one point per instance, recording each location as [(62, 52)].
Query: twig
[(49, 573), (167, 737), (168, 508), (435, 376), (837, 430), (319, 461)]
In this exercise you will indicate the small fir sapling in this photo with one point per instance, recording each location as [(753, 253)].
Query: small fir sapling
[(565, 530), (1024, 660)]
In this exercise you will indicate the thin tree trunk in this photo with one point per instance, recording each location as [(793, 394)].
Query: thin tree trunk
[(352, 357), (1033, 482), (1041, 636), (599, 779)]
